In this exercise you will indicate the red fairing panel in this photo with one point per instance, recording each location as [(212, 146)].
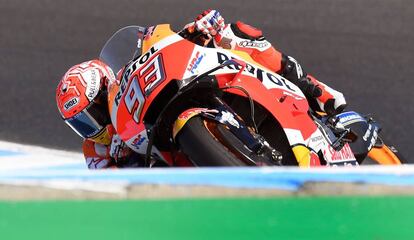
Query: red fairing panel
[(290, 110), (152, 71)]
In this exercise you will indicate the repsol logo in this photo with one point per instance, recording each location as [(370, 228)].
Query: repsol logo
[(259, 73), (134, 65), (71, 103)]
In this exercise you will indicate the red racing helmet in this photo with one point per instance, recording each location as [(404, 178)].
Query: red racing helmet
[(81, 98)]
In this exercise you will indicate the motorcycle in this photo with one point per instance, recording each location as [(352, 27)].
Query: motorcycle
[(181, 104)]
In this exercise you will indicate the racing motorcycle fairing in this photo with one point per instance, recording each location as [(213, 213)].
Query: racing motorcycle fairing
[(162, 58)]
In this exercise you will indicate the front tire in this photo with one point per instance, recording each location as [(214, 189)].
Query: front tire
[(202, 147)]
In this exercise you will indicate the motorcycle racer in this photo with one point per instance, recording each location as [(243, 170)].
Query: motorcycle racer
[(242, 37), (81, 98), (82, 92)]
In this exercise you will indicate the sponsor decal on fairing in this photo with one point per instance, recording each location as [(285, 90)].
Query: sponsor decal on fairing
[(213, 57), (317, 138), (194, 111), (195, 61), (317, 142), (344, 155), (130, 70), (269, 79), (153, 74), (134, 100), (139, 143), (321, 142), (347, 118)]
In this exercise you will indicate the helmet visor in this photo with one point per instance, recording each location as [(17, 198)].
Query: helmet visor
[(90, 121)]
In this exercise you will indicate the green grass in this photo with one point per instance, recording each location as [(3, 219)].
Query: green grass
[(242, 218)]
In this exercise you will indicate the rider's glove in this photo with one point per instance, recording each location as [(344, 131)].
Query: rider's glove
[(333, 107), (118, 149), (209, 22), (309, 88)]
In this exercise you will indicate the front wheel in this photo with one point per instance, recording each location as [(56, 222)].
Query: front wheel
[(199, 140)]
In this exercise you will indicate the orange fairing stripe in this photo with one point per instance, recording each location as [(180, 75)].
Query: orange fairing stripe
[(384, 156), (160, 32)]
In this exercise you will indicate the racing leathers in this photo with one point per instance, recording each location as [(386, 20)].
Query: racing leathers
[(242, 37), (114, 155)]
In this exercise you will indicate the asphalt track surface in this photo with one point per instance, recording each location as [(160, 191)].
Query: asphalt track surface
[(363, 48)]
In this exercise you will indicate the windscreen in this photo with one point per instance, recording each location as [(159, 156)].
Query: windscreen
[(123, 46)]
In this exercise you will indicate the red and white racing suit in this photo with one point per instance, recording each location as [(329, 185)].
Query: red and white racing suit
[(116, 154)]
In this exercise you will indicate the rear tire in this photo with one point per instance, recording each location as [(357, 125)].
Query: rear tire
[(202, 147)]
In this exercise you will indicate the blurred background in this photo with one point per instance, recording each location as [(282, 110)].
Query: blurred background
[(363, 48)]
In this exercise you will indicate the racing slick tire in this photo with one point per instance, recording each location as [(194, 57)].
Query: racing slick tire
[(203, 145)]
